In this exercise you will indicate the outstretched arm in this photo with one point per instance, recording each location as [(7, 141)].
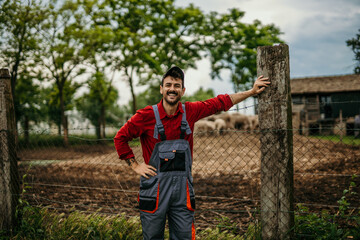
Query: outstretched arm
[(259, 86)]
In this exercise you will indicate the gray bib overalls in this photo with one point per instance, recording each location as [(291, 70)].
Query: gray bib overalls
[(169, 193)]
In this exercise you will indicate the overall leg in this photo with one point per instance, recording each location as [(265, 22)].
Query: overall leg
[(153, 224), (181, 223), (180, 213)]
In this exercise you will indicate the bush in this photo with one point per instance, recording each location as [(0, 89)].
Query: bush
[(41, 223), (345, 224)]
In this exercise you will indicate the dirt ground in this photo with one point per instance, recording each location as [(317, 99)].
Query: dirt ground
[(226, 173)]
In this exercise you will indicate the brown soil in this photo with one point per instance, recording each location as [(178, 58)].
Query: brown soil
[(226, 177)]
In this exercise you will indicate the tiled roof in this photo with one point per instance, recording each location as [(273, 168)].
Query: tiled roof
[(329, 84)]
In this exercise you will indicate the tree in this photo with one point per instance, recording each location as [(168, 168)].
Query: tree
[(50, 103), (176, 40), (98, 38), (19, 21), (27, 102), (354, 44), (130, 24), (63, 52), (93, 105), (232, 46), (199, 95), (152, 96), (150, 37)]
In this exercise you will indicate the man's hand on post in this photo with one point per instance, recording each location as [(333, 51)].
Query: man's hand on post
[(260, 84)]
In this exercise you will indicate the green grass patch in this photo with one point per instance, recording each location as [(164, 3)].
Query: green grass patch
[(349, 140), (48, 140), (41, 223)]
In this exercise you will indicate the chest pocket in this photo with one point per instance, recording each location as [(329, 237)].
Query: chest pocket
[(172, 161), (172, 156)]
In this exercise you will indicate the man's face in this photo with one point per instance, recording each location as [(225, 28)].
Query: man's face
[(172, 90)]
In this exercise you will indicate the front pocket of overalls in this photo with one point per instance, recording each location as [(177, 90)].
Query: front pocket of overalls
[(149, 195), (190, 196), (172, 161)]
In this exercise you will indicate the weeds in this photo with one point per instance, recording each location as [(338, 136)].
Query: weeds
[(345, 224), (42, 223)]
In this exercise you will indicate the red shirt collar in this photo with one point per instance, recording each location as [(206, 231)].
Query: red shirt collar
[(162, 112)]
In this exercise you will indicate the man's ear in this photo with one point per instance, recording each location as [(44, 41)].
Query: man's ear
[(161, 90), (183, 91)]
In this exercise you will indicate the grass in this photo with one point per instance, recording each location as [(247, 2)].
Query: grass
[(42, 223), (48, 140), (349, 140)]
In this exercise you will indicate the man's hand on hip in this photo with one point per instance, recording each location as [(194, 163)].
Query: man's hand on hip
[(142, 169), (145, 170)]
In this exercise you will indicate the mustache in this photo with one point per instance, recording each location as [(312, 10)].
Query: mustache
[(172, 92)]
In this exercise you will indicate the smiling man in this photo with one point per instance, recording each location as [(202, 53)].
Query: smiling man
[(166, 135)]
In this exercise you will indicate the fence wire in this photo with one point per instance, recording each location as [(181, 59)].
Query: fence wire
[(88, 176)]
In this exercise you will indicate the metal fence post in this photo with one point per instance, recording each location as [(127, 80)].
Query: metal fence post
[(275, 119), (9, 177)]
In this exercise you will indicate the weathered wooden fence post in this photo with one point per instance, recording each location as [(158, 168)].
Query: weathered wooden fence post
[(9, 177), (275, 119)]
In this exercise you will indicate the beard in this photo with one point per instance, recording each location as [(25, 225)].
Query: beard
[(172, 102)]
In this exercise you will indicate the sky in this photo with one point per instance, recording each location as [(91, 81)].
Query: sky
[(315, 30)]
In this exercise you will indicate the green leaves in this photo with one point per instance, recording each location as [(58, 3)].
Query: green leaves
[(68, 43), (232, 45), (354, 44)]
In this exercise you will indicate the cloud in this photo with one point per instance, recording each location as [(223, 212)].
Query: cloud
[(316, 31)]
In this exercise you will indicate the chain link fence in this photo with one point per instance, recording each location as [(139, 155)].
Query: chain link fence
[(88, 176)]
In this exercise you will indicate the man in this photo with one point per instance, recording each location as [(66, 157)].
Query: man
[(166, 135)]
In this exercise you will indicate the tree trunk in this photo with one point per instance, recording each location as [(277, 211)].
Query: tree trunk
[(102, 117), (63, 116), (130, 76), (59, 128), (26, 129), (98, 129)]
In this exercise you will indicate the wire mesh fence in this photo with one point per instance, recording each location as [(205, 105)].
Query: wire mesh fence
[(88, 176)]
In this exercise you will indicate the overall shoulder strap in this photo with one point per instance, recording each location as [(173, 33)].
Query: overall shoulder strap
[(159, 127), (185, 128)]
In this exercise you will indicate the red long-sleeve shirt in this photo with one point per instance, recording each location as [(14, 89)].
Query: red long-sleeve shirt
[(143, 122)]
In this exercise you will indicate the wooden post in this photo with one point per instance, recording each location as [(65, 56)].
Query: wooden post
[(9, 177), (341, 126), (275, 113)]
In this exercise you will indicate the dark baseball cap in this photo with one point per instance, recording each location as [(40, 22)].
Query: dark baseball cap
[(175, 72)]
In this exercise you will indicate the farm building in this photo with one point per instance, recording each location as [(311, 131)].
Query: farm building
[(325, 105)]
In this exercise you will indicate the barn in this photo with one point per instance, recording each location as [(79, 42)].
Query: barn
[(325, 105)]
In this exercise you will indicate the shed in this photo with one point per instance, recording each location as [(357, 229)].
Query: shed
[(322, 103)]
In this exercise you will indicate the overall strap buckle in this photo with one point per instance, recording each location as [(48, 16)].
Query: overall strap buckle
[(159, 127), (184, 128)]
